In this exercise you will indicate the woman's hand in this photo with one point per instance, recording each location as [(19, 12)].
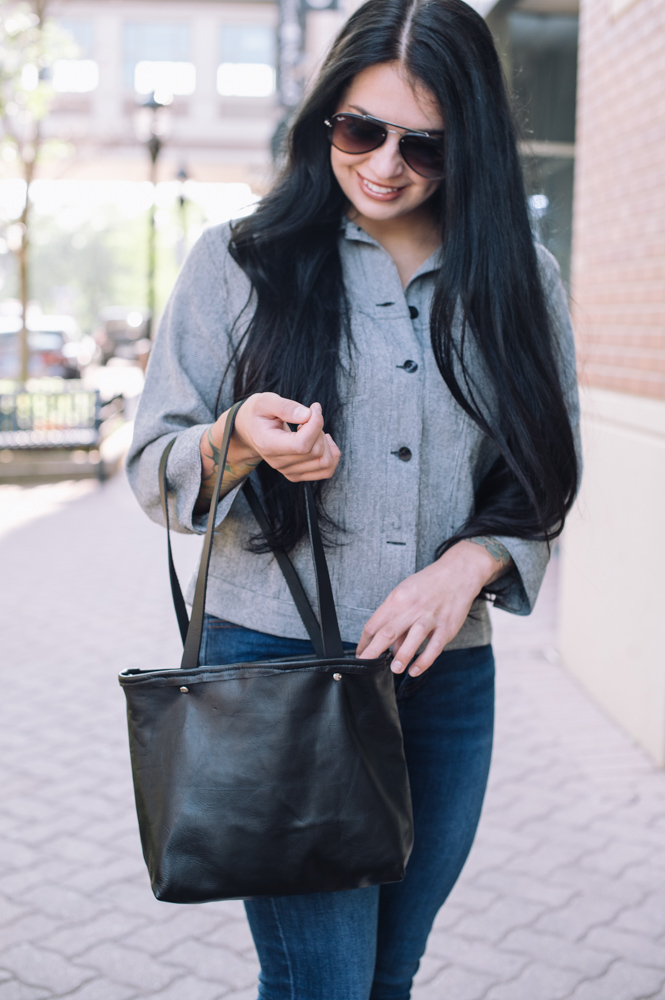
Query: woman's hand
[(262, 428), (261, 433), (432, 605)]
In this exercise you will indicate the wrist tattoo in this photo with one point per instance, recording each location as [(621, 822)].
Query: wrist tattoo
[(233, 472), (496, 549)]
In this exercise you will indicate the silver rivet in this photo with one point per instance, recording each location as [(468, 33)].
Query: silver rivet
[(337, 677), (184, 690)]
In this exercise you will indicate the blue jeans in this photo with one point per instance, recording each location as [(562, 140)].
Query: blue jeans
[(366, 944)]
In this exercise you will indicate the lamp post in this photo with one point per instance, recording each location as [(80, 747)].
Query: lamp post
[(294, 24), (182, 177), (154, 105)]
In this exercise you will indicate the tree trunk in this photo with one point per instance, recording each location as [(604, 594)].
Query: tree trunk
[(24, 283), (29, 153)]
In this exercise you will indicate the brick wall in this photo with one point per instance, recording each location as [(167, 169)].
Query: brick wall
[(618, 274)]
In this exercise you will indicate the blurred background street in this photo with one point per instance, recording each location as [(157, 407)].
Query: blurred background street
[(125, 131)]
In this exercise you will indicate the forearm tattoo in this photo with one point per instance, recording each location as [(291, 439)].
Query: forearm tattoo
[(497, 551), (233, 473)]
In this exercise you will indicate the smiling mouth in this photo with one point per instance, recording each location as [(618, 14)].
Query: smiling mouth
[(378, 188)]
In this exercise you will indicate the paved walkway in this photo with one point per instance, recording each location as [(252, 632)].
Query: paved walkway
[(563, 895)]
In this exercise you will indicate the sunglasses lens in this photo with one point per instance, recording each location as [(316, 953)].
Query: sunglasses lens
[(353, 135), (425, 156)]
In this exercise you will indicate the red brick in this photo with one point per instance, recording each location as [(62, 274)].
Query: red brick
[(618, 279)]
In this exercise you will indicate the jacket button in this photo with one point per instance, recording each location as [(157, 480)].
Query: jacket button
[(413, 312), (410, 366), (404, 454)]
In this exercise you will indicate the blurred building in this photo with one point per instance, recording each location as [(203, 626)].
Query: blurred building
[(217, 60)]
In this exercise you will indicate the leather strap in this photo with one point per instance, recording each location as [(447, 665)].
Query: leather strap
[(325, 638), (332, 641), (288, 571), (178, 599), (191, 654)]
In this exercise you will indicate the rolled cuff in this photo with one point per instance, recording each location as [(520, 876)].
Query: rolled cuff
[(183, 481), (518, 589)]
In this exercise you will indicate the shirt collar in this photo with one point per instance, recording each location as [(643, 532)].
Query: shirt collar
[(354, 232)]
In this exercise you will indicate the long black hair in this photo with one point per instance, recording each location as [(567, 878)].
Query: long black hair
[(299, 334)]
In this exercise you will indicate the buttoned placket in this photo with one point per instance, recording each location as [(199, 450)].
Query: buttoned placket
[(399, 313)]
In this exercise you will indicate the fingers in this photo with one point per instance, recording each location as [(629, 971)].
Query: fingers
[(305, 454), (407, 641), (308, 440), (406, 646), (289, 411), (272, 415), (414, 639), (374, 642), (420, 616), (411, 638), (321, 466), (436, 644)]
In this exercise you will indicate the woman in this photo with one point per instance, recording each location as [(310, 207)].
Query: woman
[(388, 299)]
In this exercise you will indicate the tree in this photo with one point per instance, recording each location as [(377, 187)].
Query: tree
[(30, 44)]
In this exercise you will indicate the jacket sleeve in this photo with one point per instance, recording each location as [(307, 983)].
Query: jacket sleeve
[(519, 588), (188, 361)]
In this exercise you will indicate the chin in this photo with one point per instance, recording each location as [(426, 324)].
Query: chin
[(371, 210)]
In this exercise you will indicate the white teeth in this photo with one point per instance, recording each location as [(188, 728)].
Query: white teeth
[(378, 189)]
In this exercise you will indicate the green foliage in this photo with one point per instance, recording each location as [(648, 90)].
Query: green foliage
[(80, 263), (30, 44)]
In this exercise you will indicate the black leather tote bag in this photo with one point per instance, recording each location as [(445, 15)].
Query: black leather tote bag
[(273, 777)]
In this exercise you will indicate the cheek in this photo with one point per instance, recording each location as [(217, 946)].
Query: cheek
[(344, 167), (334, 162), (342, 164)]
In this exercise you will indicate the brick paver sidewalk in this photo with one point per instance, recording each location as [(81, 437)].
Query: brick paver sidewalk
[(563, 895)]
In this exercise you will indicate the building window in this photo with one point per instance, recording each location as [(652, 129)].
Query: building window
[(77, 75), (544, 55), (544, 80), (157, 58), (247, 65)]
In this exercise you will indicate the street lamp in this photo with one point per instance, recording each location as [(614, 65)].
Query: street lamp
[(153, 106), (295, 23), (182, 177)]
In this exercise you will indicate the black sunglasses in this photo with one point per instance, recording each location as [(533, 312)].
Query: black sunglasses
[(355, 134)]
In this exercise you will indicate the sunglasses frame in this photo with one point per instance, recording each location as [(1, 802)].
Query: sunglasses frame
[(408, 133)]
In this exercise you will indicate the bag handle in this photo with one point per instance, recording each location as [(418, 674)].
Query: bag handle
[(325, 636), (285, 564)]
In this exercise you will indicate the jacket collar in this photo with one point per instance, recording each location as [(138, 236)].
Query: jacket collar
[(355, 233)]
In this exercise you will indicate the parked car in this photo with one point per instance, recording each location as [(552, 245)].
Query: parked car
[(123, 333), (56, 347)]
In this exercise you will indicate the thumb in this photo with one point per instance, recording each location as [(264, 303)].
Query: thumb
[(290, 411)]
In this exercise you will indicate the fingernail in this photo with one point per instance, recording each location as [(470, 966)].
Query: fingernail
[(318, 407), (397, 667), (300, 413), (414, 671)]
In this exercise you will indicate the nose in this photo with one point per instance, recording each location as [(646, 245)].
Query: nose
[(386, 161)]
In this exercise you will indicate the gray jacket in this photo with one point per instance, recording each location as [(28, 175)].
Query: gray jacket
[(411, 457)]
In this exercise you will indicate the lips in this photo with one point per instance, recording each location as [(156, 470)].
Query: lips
[(379, 192)]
